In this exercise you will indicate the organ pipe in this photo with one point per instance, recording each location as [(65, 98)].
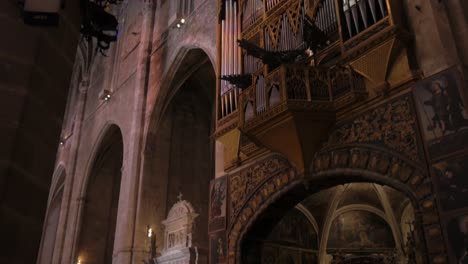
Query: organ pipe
[(347, 13), (363, 10), (382, 5), (373, 10), (356, 10), (230, 53), (326, 18)]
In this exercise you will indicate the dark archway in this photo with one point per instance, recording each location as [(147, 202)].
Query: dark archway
[(276, 193), (353, 222), (179, 153), (99, 217)]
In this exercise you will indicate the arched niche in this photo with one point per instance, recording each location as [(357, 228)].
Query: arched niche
[(179, 150), (101, 201)]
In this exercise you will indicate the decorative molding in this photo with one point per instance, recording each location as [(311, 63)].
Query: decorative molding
[(245, 182), (392, 126)]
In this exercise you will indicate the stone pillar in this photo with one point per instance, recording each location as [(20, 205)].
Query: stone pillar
[(127, 246), (459, 23), (66, 231), (435, 47)]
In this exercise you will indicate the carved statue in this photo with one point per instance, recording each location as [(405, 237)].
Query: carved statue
[(273, 58)]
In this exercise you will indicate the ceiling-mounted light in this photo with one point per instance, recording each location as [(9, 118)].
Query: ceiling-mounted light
[(182, 20)]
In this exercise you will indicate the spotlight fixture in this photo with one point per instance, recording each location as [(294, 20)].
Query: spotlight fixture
[(64, 139), (79, 261), (105, 95), (149, 232), (180, 23), (152, 246)]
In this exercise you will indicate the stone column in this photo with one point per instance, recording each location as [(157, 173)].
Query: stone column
[(66, 230), (127, 246), (459, 23), (435, 47)]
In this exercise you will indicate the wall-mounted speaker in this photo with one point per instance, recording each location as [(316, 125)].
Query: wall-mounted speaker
[(42, 12)]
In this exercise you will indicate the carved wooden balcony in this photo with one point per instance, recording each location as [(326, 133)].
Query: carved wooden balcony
[(291, 109)]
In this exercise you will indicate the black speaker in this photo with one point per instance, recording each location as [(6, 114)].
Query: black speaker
[(42, 12)]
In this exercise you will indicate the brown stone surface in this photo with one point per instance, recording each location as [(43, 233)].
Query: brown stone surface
[(36, 66)]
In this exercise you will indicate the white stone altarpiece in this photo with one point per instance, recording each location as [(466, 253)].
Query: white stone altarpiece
[(178, 248)]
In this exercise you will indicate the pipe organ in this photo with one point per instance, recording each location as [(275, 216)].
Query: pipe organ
[(289, 36), (266, 34), (230, 54), (361, 14), (252, 12), (326, 18), (260, 94)]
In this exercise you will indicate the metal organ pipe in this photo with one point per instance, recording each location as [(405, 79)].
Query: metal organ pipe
[(363, 9), (347, 12), (354, 12), (382, 5), (260, 94), (238, 36), (272, 3), (229, 16), (223, 67), (373, 10), (326, 18), (230, 56), (228, 34)]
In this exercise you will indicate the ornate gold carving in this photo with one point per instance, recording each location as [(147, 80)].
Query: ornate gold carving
[(243, 183), (247, 146), (261, 197), (391, 125), (274, 28), (294, 16)]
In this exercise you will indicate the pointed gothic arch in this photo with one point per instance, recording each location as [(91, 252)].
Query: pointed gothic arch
[(101, 192), (179, 150)]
